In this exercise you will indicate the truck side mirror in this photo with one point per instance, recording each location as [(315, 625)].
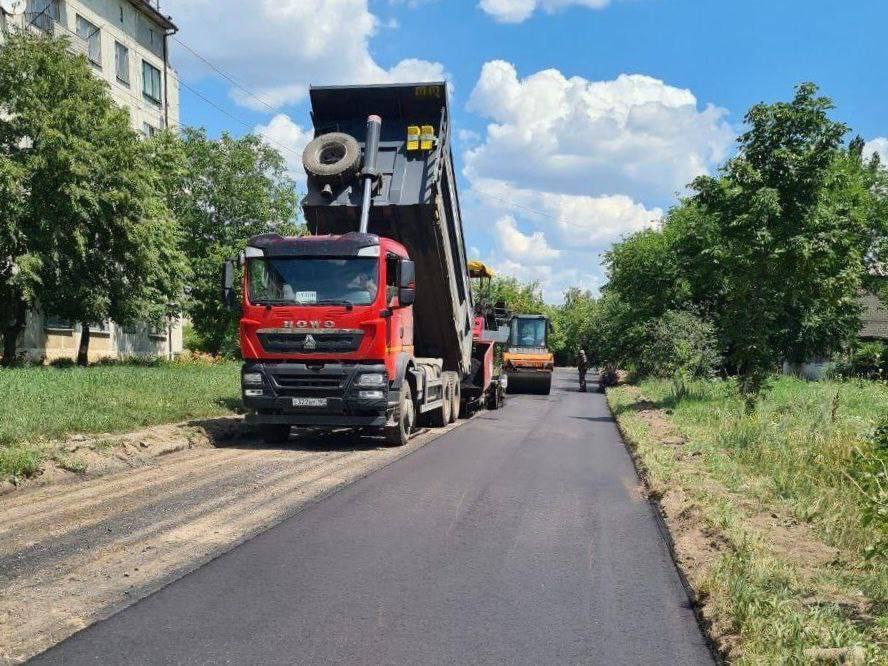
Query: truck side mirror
[(229, 295), (407, 282)]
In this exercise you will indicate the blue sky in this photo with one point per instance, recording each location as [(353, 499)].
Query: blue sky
[(579, 120)]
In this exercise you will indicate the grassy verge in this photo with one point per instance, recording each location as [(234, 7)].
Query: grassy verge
[(777, 516), (41, 404)]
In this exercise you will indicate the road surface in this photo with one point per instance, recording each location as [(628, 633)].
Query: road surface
[(521, 537)]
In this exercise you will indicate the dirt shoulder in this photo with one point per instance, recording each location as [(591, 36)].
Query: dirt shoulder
[(154, 505), (767, 588), (82, 457)]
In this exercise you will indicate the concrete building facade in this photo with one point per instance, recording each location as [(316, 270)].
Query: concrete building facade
[(126, 43)]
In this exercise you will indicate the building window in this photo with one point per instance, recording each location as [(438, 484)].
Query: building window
[(121, 14), (151, 82), (54, 323), (93, 37), (148, 130), (41, 13), (121, 62)]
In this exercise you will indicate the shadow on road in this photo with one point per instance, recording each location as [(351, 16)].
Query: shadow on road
[(231, 433), (595, 419)]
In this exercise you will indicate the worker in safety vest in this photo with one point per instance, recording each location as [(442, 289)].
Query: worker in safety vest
[(582, 367)]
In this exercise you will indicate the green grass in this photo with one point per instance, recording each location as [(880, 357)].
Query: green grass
[(40, 404), (807, 455)]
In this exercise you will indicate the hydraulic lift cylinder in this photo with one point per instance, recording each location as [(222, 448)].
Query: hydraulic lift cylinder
[(369, 173)]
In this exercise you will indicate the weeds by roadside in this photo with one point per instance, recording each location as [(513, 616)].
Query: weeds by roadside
[(39, 404), (788, 508)]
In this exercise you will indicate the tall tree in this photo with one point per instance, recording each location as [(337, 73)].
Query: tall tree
[(519, 297), (573, 321), (223, 191), (95, 239), (792, 234), (13, 282)]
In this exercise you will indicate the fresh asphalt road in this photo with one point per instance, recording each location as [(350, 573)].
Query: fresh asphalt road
[(521, 537)]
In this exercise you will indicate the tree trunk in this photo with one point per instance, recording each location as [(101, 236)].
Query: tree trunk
[(12, 333), (83, 350)]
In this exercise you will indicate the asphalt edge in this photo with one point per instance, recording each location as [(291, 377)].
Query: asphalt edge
[(653, 500)]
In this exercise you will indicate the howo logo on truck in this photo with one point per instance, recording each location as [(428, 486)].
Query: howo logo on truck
[(302, 323)]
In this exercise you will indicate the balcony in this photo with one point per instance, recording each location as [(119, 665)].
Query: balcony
[(49, 20)]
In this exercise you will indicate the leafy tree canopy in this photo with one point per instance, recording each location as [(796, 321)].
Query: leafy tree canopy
[(222, 192), (91, 239)]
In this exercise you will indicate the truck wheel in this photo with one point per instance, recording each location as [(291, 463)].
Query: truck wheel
[(333, 157), (398, 434), (274, 433), (456, 397), (441, 416), (494, 398)]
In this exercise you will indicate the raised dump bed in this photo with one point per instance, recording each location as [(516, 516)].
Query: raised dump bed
[(414, 198)]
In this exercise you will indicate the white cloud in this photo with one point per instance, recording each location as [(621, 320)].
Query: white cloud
[(517, 11), (289, 139), (565, 234), (878, 145), (633, 135), (528, 249), (575, 165), (277, 48), (467, 136), (579, 221), (553, 279)]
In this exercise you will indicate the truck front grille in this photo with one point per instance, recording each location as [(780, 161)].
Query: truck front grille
[(306, 343), (308, 384)]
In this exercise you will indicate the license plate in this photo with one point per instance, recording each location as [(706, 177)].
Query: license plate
[(309, 402)]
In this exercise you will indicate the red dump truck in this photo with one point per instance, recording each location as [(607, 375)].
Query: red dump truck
[(368, 322)]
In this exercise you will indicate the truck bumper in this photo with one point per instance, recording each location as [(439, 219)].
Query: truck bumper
[(333, 385)]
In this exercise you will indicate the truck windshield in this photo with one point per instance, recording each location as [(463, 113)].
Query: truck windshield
[(312, 280), (528, 333)]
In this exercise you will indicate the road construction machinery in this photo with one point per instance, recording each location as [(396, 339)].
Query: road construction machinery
[(368, 322), (527, 361)]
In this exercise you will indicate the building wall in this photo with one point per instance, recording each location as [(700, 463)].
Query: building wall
[(118, 21), (47, 340), (875, 318)]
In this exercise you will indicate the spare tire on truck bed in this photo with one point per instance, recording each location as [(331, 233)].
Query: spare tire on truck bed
[(333, 158)]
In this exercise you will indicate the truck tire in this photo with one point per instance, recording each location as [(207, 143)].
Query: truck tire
[(274, 433), (495, 397), (441, 417), (456, 397), (333, 157), (399, 434)]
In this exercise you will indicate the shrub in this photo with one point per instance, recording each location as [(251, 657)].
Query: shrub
[(867, 360), (870, 475), (63, 362), (681, 346), (20, 461)]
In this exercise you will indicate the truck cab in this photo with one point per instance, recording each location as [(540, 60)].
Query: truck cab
[(323, 321)]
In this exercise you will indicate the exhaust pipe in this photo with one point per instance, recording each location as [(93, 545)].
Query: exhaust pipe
[(369, 172)]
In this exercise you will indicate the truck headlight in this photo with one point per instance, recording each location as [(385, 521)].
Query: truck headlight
[(370, 395), (254, 393), (371, 379), (252, 378)]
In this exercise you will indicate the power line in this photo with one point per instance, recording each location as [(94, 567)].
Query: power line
[(236, 119), (194, 91), (515, 205), (225, 75)]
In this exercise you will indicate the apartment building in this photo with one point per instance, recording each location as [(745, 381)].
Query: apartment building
[(126, 42)]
